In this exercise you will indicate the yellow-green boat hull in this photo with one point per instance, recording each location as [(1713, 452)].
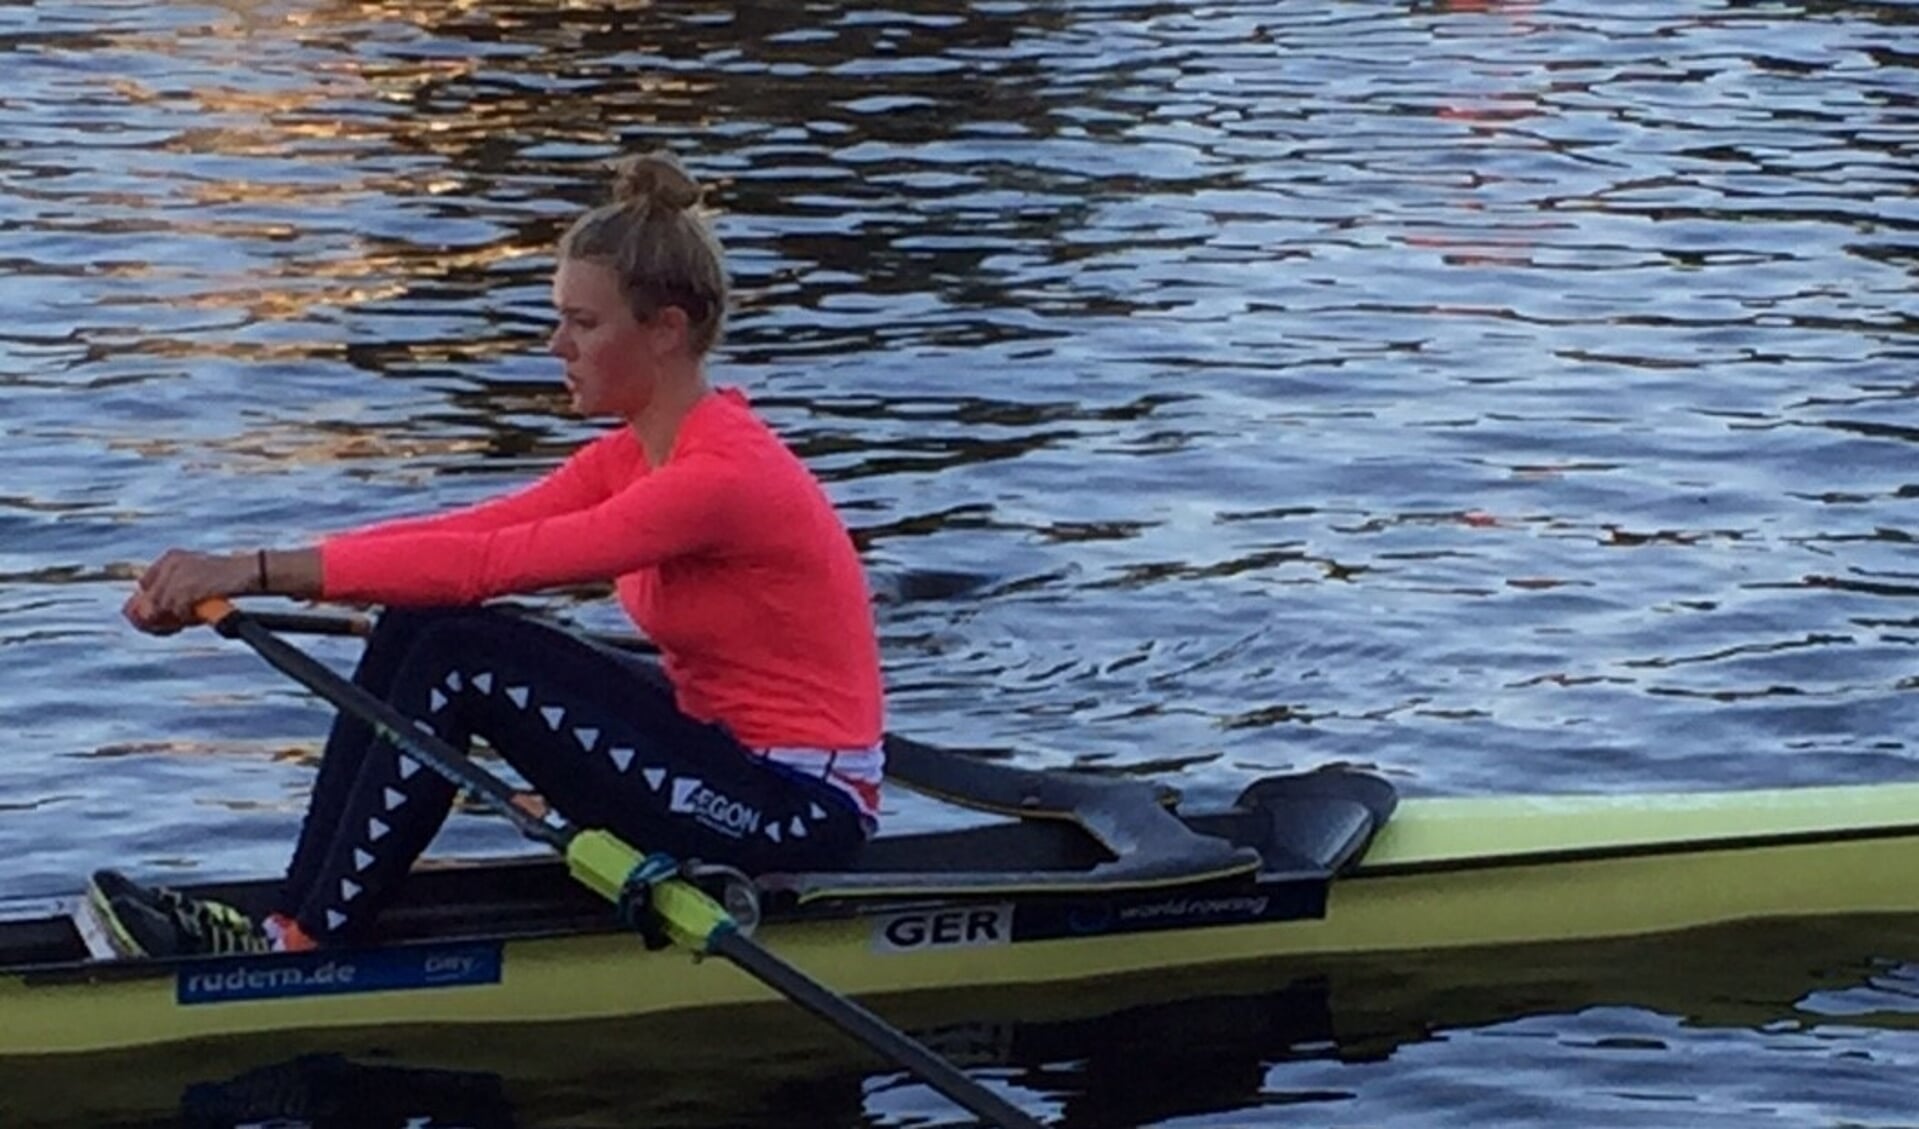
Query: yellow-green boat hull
[(1445, 873)]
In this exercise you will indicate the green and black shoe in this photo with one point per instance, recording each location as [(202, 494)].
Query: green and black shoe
[(157, 921)]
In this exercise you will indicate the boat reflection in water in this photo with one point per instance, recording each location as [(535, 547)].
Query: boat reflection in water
[(1142, 1051)]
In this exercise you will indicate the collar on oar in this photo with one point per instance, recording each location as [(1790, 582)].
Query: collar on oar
[(681, 911)]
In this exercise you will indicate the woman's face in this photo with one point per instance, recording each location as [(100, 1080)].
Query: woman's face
[(613, 360)]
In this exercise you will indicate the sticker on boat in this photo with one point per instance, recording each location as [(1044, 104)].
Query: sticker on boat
[(338, 972), (947, 927)]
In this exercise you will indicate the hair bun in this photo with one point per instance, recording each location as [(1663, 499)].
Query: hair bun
[(655, 179)]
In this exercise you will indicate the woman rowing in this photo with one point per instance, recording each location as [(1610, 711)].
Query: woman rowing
[(754, 742)]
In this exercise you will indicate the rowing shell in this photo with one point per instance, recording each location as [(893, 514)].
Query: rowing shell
[(515, 942)]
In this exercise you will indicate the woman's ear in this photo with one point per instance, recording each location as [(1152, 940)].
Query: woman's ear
[(670, 329)]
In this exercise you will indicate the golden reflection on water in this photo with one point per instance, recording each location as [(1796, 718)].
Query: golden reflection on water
[(282, 448), (312, 95)]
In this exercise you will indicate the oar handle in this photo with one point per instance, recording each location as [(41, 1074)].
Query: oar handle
[(214, 609)]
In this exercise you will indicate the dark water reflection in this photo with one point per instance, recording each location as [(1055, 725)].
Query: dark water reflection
[(1512, 396), (1776, 1025)]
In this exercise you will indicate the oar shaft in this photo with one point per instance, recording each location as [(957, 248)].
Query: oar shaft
[(868, 1028), (336, 623), (393, 726)]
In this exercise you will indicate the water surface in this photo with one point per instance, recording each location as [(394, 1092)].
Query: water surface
[(1507, 396)]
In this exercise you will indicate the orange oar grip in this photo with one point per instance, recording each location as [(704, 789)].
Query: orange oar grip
[(213, 609)]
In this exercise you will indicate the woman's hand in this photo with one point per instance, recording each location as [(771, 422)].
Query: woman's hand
[(141, 613), (171, 586)]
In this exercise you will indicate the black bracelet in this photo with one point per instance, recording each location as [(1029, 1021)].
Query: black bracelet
[(261, 558)]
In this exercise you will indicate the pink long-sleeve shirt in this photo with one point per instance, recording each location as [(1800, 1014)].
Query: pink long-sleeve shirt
[(728, 555)]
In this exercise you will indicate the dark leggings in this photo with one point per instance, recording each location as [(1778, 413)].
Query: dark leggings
[(593, 729)]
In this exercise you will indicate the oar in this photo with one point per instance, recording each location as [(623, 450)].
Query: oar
[(603, 863)]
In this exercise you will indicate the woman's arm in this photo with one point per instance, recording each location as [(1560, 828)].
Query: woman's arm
[(687, 507), (588, 477), (171, 586)]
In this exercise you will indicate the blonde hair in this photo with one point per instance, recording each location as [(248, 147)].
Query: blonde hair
[(662, 251)]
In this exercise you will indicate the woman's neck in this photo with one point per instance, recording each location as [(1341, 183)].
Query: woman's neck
[(658, 424)]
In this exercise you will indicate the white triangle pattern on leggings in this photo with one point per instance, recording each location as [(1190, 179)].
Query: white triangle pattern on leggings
[(795, 828), (773, 832), (654, 777), (435, 701), (394, 798), (453, 681), (813, 812), (408, 766), (554, 715), (518, 694), (623, 759), (349, 889), (376, 830), (335, 919), (587, 738), (361, 860), (483, 682)]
